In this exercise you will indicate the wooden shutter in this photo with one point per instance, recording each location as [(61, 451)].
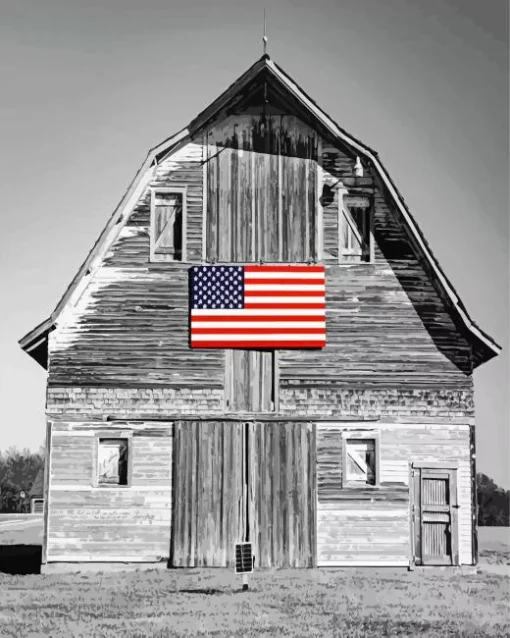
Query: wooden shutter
[(355, 234), (112, 461), (360, 461), (168, 218)]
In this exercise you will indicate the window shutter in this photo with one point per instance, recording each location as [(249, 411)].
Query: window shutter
[(168, 221)]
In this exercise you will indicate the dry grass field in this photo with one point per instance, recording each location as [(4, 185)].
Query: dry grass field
[(322, 603)]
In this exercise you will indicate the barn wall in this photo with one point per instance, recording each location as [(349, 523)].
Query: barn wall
[(391, 345), (372, 525), (88, 523)]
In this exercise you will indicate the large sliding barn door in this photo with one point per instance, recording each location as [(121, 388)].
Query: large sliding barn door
[(236, 481), (434, 515)]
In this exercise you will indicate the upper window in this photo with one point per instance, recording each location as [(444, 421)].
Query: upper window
[(112, 462), (168, 224), (360, 467), (355, 233)]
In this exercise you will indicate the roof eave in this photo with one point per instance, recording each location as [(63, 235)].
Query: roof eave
[(487, 347)]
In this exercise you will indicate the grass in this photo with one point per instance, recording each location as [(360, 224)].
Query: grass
[(208, 602), (322, 603)]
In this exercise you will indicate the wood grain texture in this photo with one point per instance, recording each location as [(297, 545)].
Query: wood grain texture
[(375, 516), (216, 504), (258, 187), (89, 521)]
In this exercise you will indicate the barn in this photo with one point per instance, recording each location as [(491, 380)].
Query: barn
[(313, 397)]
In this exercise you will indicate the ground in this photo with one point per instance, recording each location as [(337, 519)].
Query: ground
[(323, 602)]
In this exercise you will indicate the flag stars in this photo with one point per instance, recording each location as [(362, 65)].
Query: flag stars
[(217, 287)]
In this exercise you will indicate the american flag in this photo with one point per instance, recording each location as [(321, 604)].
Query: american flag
[(258, 307)]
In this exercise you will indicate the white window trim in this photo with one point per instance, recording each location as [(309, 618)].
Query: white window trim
[(361, 434), (182, 190)]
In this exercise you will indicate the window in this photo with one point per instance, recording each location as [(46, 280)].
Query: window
[(168, 224), (112, 462), (355, 233), (361, 462), (37, 506)]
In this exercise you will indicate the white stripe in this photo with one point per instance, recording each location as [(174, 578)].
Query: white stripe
[(361, 563), (259, 312), (294, 287), (258, 324), (62, 487), (122, 559), (253, 337), (19, 522), (284, 275), (281, 301)]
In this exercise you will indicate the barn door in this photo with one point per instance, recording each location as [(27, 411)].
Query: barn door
[(434, 515), (237, 481)]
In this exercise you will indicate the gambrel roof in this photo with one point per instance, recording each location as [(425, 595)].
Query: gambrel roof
[(282, 86)]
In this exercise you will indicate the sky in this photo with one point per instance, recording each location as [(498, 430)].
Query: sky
[(88, 87)]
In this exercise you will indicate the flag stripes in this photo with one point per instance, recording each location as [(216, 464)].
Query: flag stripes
[(258, 307)]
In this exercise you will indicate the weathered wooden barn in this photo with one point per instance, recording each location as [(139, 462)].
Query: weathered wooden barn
[(360, 452)]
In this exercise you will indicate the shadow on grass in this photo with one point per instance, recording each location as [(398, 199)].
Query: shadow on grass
[(208, 591), (20, 559)]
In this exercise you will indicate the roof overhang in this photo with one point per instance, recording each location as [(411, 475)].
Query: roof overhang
[(484, 347)]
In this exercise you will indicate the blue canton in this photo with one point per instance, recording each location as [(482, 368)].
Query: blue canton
[(217, 287)]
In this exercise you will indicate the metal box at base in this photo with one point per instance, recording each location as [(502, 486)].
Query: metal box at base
[(244, 558)]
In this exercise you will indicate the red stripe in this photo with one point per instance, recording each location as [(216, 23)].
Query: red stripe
[(283, 305), (257, 331), (296, 281), (267, 345), (284, 269), (283, 293), (262, 318)]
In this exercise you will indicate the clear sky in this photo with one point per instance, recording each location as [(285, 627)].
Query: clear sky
[(86, 87)]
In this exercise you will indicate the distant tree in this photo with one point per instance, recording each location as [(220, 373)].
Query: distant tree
[(18, 470), (493, 502)]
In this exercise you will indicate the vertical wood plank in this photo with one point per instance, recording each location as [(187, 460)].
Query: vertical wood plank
[(205, 193), (212, 205), (418, 522), (319, 180), (194, 447), (454, 518), (313, 493), (47, 491)]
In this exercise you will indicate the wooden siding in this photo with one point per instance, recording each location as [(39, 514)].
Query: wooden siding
[(249, 381), (394, 360), (261, 189), (108, 523), (389, 333), (216, 505), (372, 525)]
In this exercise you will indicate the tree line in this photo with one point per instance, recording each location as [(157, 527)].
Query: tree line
[(493, 502), (19, 468)]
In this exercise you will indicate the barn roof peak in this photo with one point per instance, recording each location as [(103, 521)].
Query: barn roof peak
[(35, 342)]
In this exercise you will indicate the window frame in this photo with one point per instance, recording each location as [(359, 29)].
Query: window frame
[(343, 208), (153, 256), (361, 434), (112, 435)]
